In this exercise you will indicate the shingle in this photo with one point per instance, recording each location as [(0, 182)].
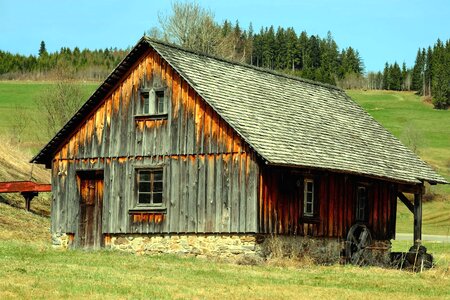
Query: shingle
[(290, 121)]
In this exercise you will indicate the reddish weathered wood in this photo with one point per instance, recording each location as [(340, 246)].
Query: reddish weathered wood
[(279, 192), (24, 186)]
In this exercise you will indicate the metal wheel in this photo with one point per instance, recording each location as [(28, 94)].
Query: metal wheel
[(358, 239)]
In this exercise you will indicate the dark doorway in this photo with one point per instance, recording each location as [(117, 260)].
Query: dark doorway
[(91, 203)]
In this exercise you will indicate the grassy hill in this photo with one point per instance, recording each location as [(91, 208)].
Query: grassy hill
[(18, 101)]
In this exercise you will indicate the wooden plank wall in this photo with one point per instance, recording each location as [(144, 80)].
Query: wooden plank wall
[(280, 204), (210, 175)]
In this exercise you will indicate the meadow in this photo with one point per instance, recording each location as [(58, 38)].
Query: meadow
[(32, 269), (18, 102)]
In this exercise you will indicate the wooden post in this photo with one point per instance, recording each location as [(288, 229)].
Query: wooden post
[(28, 197), (418, 218)]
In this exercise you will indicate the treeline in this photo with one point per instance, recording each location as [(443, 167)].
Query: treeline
[(430, 75), (63, 64), (310, 57), (392, 78), (281, 49)]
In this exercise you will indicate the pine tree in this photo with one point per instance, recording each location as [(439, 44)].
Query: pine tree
[(417, 72), (395, 77), (440, 88), (386, 77), (42, 50), (292, 54), (427, 73)]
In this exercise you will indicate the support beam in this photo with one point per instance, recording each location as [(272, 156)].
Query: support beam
[(28, 197), (417, 218), (405, 201)]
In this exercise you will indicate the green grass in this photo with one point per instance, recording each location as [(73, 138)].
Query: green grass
[(435, 218), (405, 114), (35, 271), (18, 100)]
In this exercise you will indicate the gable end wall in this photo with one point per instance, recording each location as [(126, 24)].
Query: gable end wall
[(210, 174)]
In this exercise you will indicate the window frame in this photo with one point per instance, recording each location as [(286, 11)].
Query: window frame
[(151, 205), (313, 212), (362, 209), (150, 99)]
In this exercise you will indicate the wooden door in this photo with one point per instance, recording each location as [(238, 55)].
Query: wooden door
[(90, 217)]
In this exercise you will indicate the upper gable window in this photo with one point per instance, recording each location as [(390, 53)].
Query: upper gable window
[(154, 103)]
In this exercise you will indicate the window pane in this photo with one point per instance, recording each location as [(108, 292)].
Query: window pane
[(158, 176), (146, 104), (309, 197), (144, 198), (157, 198), (309, 208), (309, 186), (157, 186), (144, 176), (160, 107), (144, 187)]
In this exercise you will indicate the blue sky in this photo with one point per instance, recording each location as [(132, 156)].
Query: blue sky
[(381, 30)]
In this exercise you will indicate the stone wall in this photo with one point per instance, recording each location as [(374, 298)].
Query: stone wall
[(61, 241), (224, 247), (241, 248)]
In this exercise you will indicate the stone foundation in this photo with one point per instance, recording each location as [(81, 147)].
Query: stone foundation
[(62, 241), (224, 247), (238, 248), (241, 248)]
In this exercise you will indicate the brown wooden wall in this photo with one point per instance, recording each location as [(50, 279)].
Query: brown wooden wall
[(281, 204), (210, 175)]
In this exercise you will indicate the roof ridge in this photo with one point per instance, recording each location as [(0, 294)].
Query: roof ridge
[(245, 65)]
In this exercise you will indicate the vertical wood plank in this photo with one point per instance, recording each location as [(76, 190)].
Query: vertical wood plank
[(210, 174)]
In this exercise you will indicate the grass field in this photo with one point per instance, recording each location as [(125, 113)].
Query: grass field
[(19, 100), (31, 270)]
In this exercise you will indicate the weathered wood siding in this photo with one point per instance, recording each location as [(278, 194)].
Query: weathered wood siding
[(281, 204), (210, 175)]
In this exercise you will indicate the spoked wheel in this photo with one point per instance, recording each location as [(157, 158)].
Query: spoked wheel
[(358, 239)]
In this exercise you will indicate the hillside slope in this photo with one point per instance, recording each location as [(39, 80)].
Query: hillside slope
[(14, 166)]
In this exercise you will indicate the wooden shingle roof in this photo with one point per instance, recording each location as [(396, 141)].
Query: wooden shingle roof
[(294, 122)]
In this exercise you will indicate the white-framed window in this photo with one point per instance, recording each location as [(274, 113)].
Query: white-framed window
[(308, 198), (154, 102), (149, 187)]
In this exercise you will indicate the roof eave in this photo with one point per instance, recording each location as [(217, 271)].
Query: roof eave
[(45, 154), (374, 176)]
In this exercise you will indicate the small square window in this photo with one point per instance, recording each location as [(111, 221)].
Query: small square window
[(153, 102), (150, 187)]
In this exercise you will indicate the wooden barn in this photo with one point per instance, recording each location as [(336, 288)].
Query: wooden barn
[(181, 152)]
